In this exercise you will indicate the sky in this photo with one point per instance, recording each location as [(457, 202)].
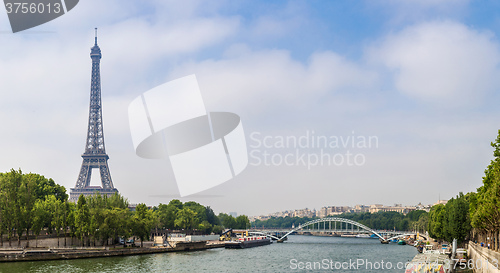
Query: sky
[(398, 98)]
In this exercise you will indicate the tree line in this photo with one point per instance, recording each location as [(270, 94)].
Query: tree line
[(414, 220), (475, 215), (191, 216), (31, 204), (451, 221)]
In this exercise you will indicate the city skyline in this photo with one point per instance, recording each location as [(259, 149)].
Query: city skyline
[(338, 210), (419, 77)]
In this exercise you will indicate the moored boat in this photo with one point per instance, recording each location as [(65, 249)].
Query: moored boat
[(430, 261), (248, 241)]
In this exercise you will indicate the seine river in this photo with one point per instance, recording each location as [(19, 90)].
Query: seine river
[(298, 254)]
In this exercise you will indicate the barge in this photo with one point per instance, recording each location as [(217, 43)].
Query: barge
[(248, 241)]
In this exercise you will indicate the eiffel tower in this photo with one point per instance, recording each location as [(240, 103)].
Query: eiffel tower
[(95, 153)]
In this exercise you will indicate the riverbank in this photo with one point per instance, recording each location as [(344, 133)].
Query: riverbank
[(484, 260), (42, 254)]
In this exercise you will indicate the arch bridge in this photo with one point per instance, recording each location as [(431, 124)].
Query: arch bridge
[(330, 220), (346, 225)]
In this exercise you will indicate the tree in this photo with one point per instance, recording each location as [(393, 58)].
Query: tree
[(422, 223), (117, 220), (143, 222), (198, 209), (168, 213), (82, 218), (217, 229), (205, 226), (457, 224), (242, 222), (45, 187), (211, 217), (163, 216), (56, 209), (186, 219), (97, 204), (117, 201), (13, 207), (436, 222), (69, 218), (40, 214), (227, 221)]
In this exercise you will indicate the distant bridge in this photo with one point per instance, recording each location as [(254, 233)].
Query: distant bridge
[(343, 223)]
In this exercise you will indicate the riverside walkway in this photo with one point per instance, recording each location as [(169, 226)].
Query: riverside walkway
[(38, 254)]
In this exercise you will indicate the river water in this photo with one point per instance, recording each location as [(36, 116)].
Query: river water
[(298, 254)]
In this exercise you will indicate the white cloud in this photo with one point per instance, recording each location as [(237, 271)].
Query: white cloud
[(443, 62), (261, 81)]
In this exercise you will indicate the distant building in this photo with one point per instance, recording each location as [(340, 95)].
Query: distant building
[(361, 208), (304, 213), (375, 208), (441, 202), (426, 208), (397, 208), (234, 214), (332, 211)]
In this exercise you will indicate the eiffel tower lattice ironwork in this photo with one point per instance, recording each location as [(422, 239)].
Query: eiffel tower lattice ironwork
[(95, 153)]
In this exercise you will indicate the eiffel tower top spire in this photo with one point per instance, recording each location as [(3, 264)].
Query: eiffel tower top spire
[(95, 51)]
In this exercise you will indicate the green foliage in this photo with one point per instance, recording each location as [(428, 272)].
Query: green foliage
[(198, 209), (167, 213), (211, 217), (82, 218), (281, 222), (458, 220), (186, 219), (217, 229), (484, 206), (142, 222), (436, 221), (205, 226), (242, 222), (451, 221), (175, 215), (47, 187), (379, 221), (40, 217), (227, 221), (31, 202)]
